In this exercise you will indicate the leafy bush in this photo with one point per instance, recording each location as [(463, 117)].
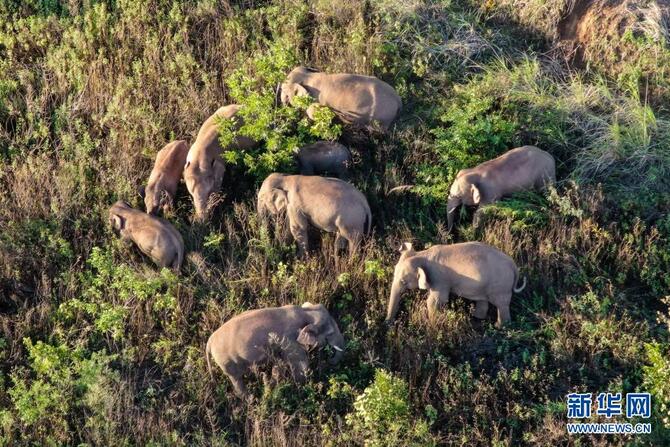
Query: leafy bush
[(281, 129), (63, 379), (382, 414)]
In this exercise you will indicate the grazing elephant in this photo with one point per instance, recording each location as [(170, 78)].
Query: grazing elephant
[(204, 169), (246, 340), (473, 270), (162, 186), (329, 204), (356, 99), (324, 157), (519, 169), (155, 237)]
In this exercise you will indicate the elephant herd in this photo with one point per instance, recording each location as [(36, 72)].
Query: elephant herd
[(472, 270)]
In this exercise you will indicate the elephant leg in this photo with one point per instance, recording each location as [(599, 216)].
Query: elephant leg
[(353, 237), (481, 309), (437, 299), (340, 243), (296, 357), (299, 227), (502, 304), (238, 384)]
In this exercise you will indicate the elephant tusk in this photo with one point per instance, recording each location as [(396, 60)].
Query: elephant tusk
[(337, 348), (452, 210)]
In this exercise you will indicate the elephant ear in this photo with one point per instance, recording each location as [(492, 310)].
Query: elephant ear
[(307, 336), (406, 249), (423, 278), (118, 221), (476, 196), (279, 199), (299, 90)]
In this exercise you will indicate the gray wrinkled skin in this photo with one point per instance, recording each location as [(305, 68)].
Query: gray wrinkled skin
[(204, 169), (523, 168), (356, 99), (155, 237), (473, 270), (328, 204), (245, 340), (324, 157), (165, 176)]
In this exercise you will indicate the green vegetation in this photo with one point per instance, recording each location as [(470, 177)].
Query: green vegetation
[(98, 347)]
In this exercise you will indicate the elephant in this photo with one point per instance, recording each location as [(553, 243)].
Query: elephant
[(356, 99), (324, 157), (245, 340), (155, 237), (164, 178), (204, 169), (519, 169), (473, 270), (328, 204)]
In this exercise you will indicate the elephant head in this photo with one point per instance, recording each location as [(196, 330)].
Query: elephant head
[(293, 85), (289, 90), (464, 191), (321, 331), (203, 177), (410, 273), (155, 199), (117, 218), (272, 197)]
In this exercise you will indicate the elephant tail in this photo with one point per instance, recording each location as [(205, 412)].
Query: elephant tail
[(179, 259), (208, 351), (367, 225), (516, 282)]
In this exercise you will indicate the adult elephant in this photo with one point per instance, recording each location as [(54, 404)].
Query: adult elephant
[(329, 204), (204, 169), (356, 99), (473, 270), (523, 168), (244, 341)]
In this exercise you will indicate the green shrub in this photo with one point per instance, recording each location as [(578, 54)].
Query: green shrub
[(63, 379), (473, 130), (110, 287), (657, 380), (280, 129), (382, 414)]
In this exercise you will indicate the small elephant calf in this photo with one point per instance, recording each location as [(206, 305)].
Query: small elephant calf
[(245, 340), (324, 157), (155, 237), (164, 179), (473, 270)]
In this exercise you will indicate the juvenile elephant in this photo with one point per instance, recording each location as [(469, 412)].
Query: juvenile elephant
[(204, 169), (328, 204), (473, 270), (356, 99), (519, 169), (324, 157), (155, 237), (164, 179), (246, 339)]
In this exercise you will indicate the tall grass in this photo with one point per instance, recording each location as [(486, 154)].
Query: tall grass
[(98, 347)]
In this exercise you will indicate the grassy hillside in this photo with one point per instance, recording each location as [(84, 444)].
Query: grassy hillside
[(98, 347)]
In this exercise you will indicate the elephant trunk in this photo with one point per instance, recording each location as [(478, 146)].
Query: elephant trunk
[(261, 210), (336, 340), (394, 302), (201, 212), (452, 204)]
